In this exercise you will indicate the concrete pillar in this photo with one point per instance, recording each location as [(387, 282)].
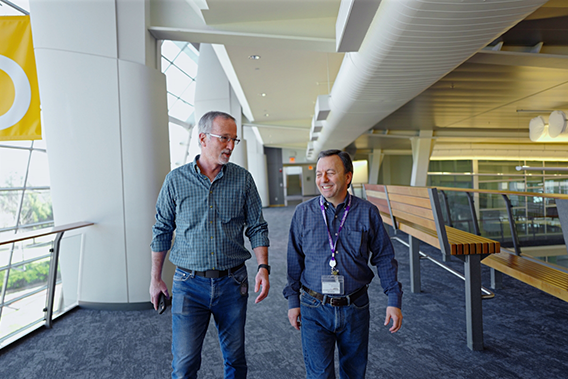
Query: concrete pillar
[(421, 152), (213, 92), (106, 130), (376, 159)]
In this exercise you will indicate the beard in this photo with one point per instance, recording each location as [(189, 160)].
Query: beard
[(224, 157)]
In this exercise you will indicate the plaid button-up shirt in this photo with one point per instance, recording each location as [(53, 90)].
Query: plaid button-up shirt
[(362, 240), (208, 217)]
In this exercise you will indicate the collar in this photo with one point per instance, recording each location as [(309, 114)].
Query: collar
[(343, 204), (197, 170)]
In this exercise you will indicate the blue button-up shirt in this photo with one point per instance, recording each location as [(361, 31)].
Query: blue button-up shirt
[(362, 240), (208, 217)]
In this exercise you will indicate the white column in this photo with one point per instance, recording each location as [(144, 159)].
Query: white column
[(257, 163), (376, 159), (421, 152), (213, 92), (106, 129)]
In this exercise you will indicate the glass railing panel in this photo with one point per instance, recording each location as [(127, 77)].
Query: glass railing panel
[(68, 275), (27, 280)]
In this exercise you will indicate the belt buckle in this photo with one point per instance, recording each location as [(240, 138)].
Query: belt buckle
[(335, 301), (212, 274)]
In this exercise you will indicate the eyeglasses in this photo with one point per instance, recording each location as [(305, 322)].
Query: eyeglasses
[(224, 139)]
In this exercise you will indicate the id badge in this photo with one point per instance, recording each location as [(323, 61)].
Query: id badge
[(332, 284)]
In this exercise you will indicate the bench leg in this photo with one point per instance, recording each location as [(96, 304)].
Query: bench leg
[(413, 245), (496, 279), (474, 312)]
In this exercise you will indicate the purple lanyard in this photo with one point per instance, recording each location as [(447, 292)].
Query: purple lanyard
[(332, 245)]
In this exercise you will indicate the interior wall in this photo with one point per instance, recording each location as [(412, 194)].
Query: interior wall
[(106, 130), (396, 169), (275, 176)]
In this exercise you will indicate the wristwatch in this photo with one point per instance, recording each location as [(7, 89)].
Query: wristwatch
[(267, 267)]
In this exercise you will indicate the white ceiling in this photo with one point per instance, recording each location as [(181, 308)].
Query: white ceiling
[(295, 39)]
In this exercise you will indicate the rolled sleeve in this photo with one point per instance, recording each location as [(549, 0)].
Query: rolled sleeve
[(295, 258), (384, 259), (163, 229), (257, 227)]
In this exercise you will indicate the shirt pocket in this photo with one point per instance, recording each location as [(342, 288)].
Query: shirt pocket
[(231, 208), (355, 242)]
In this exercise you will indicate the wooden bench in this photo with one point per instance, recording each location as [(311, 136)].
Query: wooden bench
[(536, 273), (529, 270), (416, 211)]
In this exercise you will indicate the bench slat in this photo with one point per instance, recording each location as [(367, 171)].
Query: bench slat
[(410, 200), (547, 279), (409, 191), (403, 216), (425, 213)]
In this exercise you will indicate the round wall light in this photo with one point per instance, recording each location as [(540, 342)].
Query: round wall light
[(556, 123)]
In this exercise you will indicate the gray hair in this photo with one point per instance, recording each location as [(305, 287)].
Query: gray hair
[(206, 122)]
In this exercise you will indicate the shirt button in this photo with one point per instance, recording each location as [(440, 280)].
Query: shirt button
[(335, 216), (335, 234), (212, 253), (210, 206)]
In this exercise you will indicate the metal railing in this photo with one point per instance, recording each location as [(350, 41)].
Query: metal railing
[(53, 256)]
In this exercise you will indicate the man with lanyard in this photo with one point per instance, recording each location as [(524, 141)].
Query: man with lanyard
[(332, 239), (208, 203)]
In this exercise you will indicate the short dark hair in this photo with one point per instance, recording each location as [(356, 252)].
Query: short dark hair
[(206, 121), (345, 158)]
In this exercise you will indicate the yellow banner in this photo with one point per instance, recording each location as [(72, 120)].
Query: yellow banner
[(19, 92)]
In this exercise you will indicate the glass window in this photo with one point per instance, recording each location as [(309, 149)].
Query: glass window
[(500, 167), (451, 166), (181, 110), (9, 206), (189, 94), (170, 51), (179, 64), (6, 10), (171, 100), (38, 175), (13, 167), (178, 140), (187, 64), (176, 80), (36, 207)]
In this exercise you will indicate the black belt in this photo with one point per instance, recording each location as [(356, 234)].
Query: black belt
[(336, 301), (214, 274)]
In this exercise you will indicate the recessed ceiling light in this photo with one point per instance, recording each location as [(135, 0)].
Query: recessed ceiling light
[(254, 57), (263, 94), (266, 115)]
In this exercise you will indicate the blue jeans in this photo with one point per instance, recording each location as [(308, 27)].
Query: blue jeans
[(323, 326), (194, 300)]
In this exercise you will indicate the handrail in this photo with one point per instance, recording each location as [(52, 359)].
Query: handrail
[(514, 193), (44, 232), (54, 261)]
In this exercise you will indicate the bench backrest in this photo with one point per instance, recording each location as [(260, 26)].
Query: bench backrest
[(417, 212), (410, 210)]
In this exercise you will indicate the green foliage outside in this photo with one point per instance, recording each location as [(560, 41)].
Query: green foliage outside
[(35, 208), (27, 276)]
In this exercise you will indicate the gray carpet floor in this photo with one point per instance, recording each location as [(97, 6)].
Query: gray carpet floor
[(525, 331)]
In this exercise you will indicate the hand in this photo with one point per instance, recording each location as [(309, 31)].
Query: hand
[(395, 314), (156, 287), (295, 317), (261, 281)]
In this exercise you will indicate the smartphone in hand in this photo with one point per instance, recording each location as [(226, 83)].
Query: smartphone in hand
[(163, 303)]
